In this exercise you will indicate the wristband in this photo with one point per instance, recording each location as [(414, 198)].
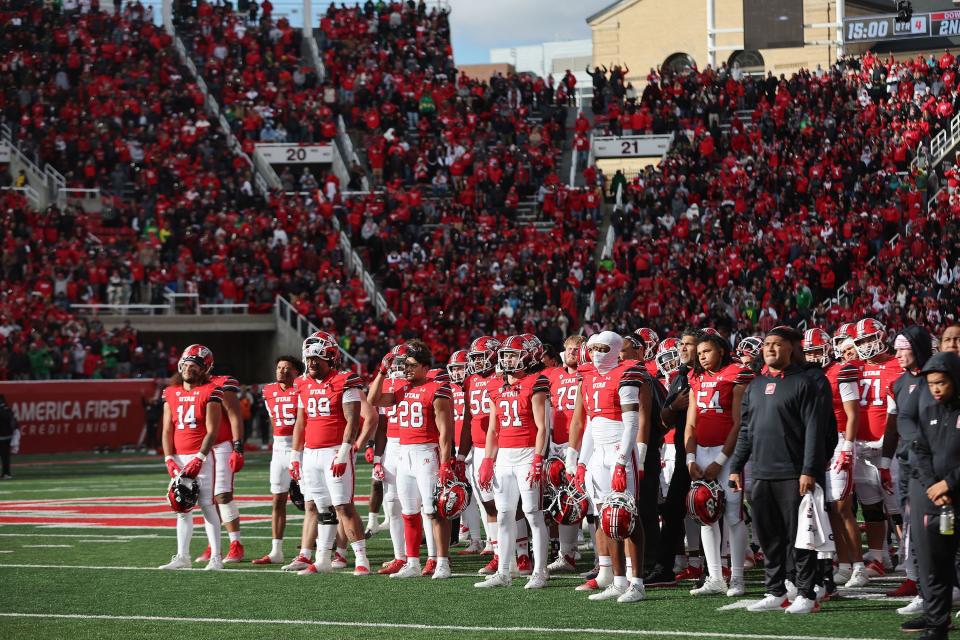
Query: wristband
[(376, 459), (238, 446), (847, 446), (621, 460), (721, 459), (691, 458), (642, 452), (296, 456), (202, 456), (167, 458), (885, 463), (344, 452)]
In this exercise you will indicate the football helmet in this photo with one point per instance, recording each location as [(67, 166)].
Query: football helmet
[(816, 343), (583, 356), (398, 366), (650, 341), (750, 346), (518, 353), (706, 501), (668, 357), (296, 495), (870, 338), (536, 348), (322, 345), (555, 472), (569, 504), (483, 354), (618, 515), (457, 366), (183, 493), (450, 499), (846, 331), (709, 331), (199, 355)]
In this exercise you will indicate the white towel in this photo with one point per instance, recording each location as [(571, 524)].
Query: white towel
[(813, 525)]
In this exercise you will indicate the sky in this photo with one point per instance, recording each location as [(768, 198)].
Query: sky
[(480, 25)]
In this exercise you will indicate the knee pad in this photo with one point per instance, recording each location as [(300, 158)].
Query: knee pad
[(873, 512), (328, 516), (229, 511)]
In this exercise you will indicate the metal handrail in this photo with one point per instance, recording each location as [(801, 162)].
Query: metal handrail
[(286, 313)]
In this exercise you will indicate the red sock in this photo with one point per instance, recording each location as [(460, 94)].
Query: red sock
[(413, 532)]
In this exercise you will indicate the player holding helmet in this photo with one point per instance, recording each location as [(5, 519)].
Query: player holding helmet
[(457, 368), (191, 421)]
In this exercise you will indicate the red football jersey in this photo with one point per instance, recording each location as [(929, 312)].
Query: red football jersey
[(281, 407), (393, 420), (476, 388), (513, 403), (415, 412), (842, 373), (189, 412), (459, 407), (601, 391), (563, 396), (876, 380), (322, 402), (226, 383), (713, 393)]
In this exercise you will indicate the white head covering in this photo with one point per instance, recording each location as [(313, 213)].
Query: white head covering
[(604, 362)]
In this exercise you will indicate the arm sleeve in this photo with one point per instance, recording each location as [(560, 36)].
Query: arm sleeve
[(849, 391), (631, 423), (586, 444), (351, 395), (741, 452)]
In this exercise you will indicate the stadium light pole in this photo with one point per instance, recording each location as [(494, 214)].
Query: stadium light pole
[(712, 33), (840, 14)]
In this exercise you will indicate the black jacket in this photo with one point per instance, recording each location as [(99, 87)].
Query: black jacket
[(936, 450), (908, 389)]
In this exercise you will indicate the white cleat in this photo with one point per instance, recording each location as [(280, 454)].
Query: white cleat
[(338, 562), (737, 588), (842, 576), (215, 564), (299, 563), (792, 592), (442, 572), (410, 570), (914, 607), (857, 579), (177, 562), (711, 587), (473, 547), (537, 581), (362, 569), (610, 593), (563, 564), (634, 593), (769, 603), (802, 605), (496, 580)]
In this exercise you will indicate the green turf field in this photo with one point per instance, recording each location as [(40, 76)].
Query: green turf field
[(67, 580)]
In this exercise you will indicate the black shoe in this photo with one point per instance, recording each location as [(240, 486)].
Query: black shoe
[(659, 577), (914, 625), (934, 633)]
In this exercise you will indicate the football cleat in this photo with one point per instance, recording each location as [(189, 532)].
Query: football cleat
[(487, 549), (858, 578), (361, 570), (712, 587), (524, 566), (411, 569), (537, 581), (392, 567), (429, 568), (769, 603), (906, 589), (300, 562), (491, 567), (634, 593), (268, 559), (841, 576), (309, 570), (802, 605), (215, 564), (473, 548), (338, 562), (690, 573), (914, 607), (791, 590), (589, 585), (235, 554), (496, 580), (874, 569), (610, 593), (592, 572), (659, 577), (205, 556), (441, 572), (737, 588), (177, 562), (563, 564)]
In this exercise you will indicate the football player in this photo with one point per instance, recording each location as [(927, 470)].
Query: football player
[(618, 401), (191, 422), (425, 415), (322, 459), (647, 352), (713, 423), (514, 454), (471, 518), (844, 378), (280, 400), (872, 474)]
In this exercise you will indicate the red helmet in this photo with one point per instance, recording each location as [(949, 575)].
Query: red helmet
[(816, 343), (450, 499), (398, 366), (522, 348), (199, 355), (556, 472), (323, 345), (583, 356), (710, 331), (537, 346), (457, 366), (569, 504), (183, 493), (668, 356), (847, 330), (618, 515), (650, 340), (750, 346), (706, 501), (869, 339), (483, 354)]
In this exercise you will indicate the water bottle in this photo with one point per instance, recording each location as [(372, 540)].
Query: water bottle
[(946, 520)]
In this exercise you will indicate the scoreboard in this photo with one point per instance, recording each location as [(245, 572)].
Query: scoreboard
[(937, 24)]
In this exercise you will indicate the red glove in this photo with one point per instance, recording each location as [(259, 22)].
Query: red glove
[(845, 462), (486, 473), (378, 471), (295, 470), (536, 470), (368, 453), (338, 469), (446, 472), (619, 480), (460, 469), (386, 363), (581, 477), (192, 469), (236, 461), (339, 464), (172, 467), (886, 480)]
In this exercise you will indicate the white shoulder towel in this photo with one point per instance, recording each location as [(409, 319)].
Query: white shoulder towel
[(813, 525)]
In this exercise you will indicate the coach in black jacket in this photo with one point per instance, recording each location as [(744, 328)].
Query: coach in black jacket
[(781, 432)]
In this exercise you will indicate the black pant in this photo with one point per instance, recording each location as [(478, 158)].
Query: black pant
[(647, 508), (775, 506), (673, 511), (935, 554), (5, 455)]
